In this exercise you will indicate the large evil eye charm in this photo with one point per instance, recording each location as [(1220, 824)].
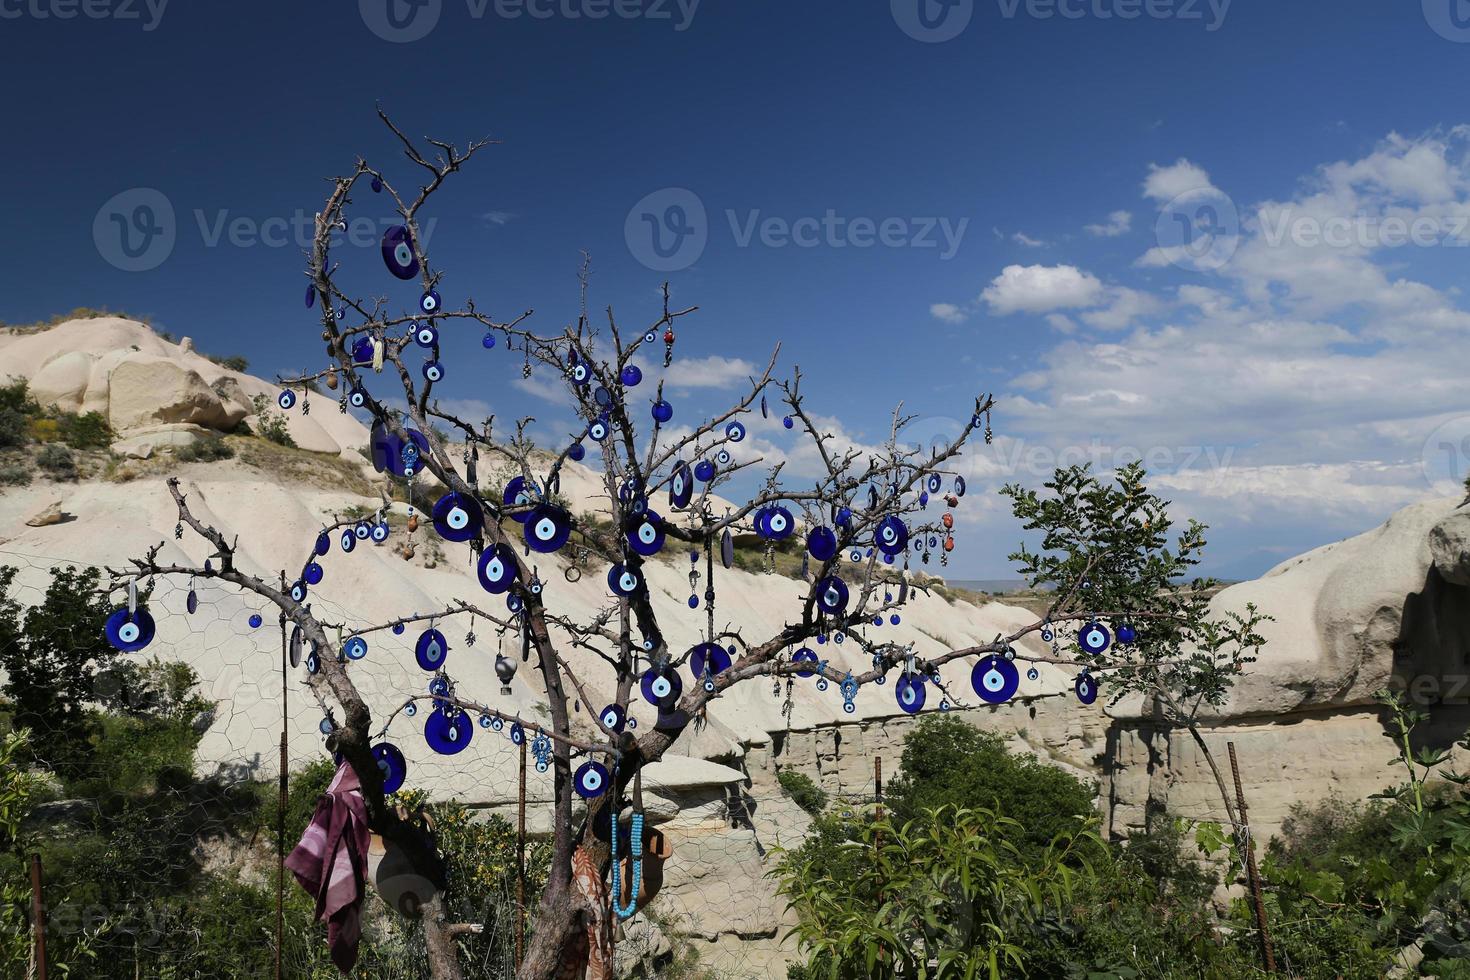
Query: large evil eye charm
[(433, 371), (624, 581), (129, 631), (448, 730), (662, 412), (457, 516), (959, 486), (661, 687), (426, 335), (632, 376), (398, 254), (832, 595), (821, 543), (313, 573), (598, 430), (348, 541), (735, 431), (547, 529), (298, 590), (429, 302), (576, 452), (379, 532), (910, 693), (704, 471), (779, 524), (1094, 638), (891, 536), (580, 374), (323, 543), (646, 535), (934, 483), (804, 656), (995, 679), (613, 718), (590, 780), (286, 399), (392, 765), (709, 656), (355, 648), (362, 350), (519, 493), (357, 398), (1127, 634), (1086, 688), (681, 486), (723, 457), (517, 733), (497, 569), (431, 649), (362, 530)]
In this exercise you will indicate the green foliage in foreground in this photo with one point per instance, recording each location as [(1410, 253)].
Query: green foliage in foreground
[(804, 792)]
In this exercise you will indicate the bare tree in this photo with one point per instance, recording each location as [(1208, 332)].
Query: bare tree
[(864, 515)]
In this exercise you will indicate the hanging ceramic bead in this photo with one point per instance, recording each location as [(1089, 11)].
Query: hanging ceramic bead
[(668, 346)]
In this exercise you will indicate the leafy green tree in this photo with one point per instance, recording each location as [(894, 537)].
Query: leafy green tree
[(948, 762)]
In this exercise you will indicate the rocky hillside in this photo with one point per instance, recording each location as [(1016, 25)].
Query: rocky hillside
[(1348, 618)]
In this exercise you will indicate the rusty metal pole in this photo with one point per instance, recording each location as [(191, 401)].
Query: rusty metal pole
[(38, 917), (1268, 954), (878, 833), (521, 864)]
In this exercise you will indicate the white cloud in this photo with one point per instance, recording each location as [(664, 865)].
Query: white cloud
[(497, 217), (1041, 289), (1021, 238), (1166, 183), (1118, 223), (1124, 307), (709, 372), (948, 312)]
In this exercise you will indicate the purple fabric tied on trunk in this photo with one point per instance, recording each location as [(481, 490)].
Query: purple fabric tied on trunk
[(330, 862)]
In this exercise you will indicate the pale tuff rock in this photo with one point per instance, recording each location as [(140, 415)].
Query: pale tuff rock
[(1449, 543)]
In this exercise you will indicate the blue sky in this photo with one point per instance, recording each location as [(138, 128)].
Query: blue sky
[(1175, 233)]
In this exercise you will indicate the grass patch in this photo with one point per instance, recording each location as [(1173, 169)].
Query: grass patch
[(299, 466)]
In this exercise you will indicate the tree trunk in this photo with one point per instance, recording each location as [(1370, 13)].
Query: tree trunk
[(559, 927), (443, 952)]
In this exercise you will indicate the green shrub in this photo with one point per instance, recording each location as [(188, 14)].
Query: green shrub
[(15, 475), (803, 792), (86, 431), (205, 451), (233, 362), (14, 428), (58, 461), (269, 424)]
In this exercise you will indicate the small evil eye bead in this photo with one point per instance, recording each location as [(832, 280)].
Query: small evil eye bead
[(376, 184), (704, 471), (590, 780), (397, 629), (910, 694), (650, 644), (577, 452), (255, 621), (779, 524), (438, 687), (832, 595), (821, 543), (631, 376), (602, 397), (788, 422), (735, 431), (391, 764), (429, 302), (959, 486), (348, 541), (426, 335), (362, 530), (1032, 674), (662, 412), (411, 708), (514, 603), (722, 458), (651, 337), (310, 295), (323, 543), (379, 532), (357, 398), (325, 726), (356, 648), (580, 374), (431, 649), (934, 483), (681, 486), (313, 663), (487, 341), (535, 587), (518, 493), (843, 517), (517, 733), (497, 724), (856, 555), (433, 371), (484, 721), (286, 399), (1127, 634), (342, 313), (598, 430), (623, 581), (1086, 688), (362, 351), (298, 591), (398, 253)]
